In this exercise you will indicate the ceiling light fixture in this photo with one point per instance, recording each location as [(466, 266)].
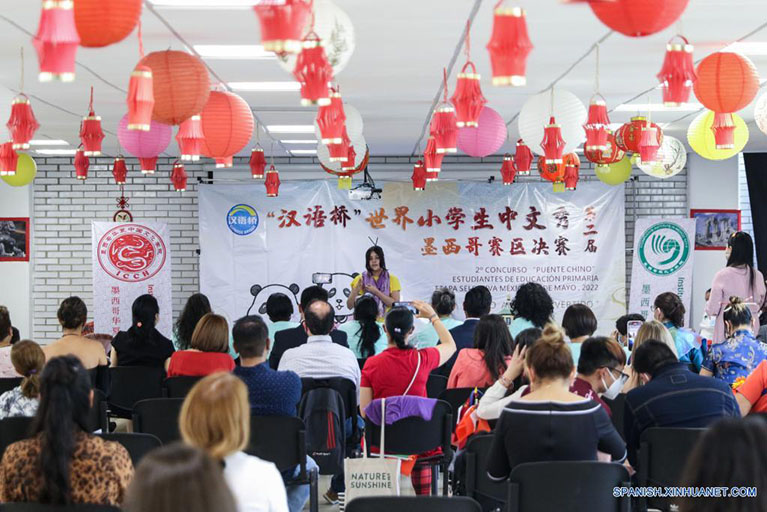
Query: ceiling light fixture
[(265, 86), (48, 142), (298, 141), (303, 151), (658, 107), (234, 52), (290, 128), (204, 4), (56, 151), (747, 48)]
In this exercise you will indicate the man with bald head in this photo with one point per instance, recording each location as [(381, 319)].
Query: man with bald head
[(319, 357)]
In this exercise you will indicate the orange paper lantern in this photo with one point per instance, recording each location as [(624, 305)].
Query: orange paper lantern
[(639, 18), (227, 125), (104, 22), (180, 84), (727, 82)]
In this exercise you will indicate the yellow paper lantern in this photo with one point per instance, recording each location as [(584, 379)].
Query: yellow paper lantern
[(616, 173), (26, 169), (701, 137)]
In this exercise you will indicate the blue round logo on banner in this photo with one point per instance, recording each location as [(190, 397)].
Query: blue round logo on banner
[(242, 219)]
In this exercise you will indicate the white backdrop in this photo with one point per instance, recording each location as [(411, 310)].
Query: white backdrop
[(573, 242)]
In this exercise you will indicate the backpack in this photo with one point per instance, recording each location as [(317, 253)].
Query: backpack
[(322, 411)]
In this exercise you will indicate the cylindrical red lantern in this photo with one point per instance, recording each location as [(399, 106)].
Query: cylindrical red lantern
[(553, 144), (91, 133), (331, 120), (629, 136), (8, 159), (648, 143), (104, 22), (572, 166), (272, 182), (432, 159), (22, 124), (313, 72), (257, 162), (467, 98), (508, 170), (727, 82), (178, 177), (56, 41), (119, 170), (180, 84), (606, 156), (227, 125), (351, 157), (523, 158), (509, 46), (639, 18), (189, 138), (282, 24), (444, 129), (148, 164), (678, 73), (340, 152), (140, 99), (224, 162), (724, 131), (596, 125), (82, 163), (419, 176)]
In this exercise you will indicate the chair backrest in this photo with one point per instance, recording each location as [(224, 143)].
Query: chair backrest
[(39, 507), (663, 453), (456, 397), (178, 387), (348, 391), (478, 484), (435, 385), (278, 439), (97, 416), (570, 485), (414, 435), (136, 443), (14, 429), (159, 417), (8, 384), (617, 406), (131, 384), (413, 504)]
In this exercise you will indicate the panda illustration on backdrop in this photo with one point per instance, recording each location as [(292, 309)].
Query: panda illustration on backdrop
[(261, 294), (338, 291)]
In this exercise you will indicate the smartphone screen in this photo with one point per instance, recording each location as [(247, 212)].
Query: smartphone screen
[(322, 278), (632, 328), (408, 305)]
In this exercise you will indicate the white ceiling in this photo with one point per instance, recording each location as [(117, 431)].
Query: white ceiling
[(395, 72)]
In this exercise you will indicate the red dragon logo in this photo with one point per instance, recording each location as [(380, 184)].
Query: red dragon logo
[(131, 253)]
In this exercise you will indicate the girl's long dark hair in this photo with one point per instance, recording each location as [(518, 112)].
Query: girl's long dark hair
[(379, 251), (493, 338), (399, 322), (144, 311), (742, 254), (197, 306), (65, 390), (365, 312)]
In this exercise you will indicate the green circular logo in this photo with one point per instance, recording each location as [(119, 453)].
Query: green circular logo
[(664, 248)]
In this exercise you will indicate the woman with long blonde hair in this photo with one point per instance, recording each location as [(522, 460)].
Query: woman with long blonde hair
[(650, 330)]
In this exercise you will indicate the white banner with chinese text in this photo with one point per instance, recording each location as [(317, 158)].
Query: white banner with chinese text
[(130, 260), (663, 260)]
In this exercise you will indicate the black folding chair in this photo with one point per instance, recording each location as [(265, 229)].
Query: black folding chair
[(178, 387), (580, 486), (9, 383), (131, 384), (14, 429), (414, 436), (97, 416), (159, 417), (456, 397), (414, 504), (435, 385), (39, 507), (282, 440), (617, 406), (101, 379), (663, 453), (488, 493), (135, 443)]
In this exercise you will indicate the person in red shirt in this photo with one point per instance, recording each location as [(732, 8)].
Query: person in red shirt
[(209, 352), (751, 393), (485, 363), (403, 370)]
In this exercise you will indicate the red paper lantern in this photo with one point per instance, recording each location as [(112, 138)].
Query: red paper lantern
[(444, 129), (22, 124), (555, 172), (727, 82), (56, 41), (313, 72), (119, 170), (509, 46), (104, 22), (553, 144), (189, 138), (724, 131), (468, 98), (629, 136), (508, 170), (82, 163), (432, 160), (596, 125), (639, 18), (178, 177), (648, 143), (180, 84), (419, 176), (148, 165), (140, 99), (331, 119), (257, 162), (351, 158), (611, 154), (571, 175), (224, 162), (91, 133), (282, 24), (227, 125), (340, 152), (678, 73), (272, 182), (523, 158), (8, 159)]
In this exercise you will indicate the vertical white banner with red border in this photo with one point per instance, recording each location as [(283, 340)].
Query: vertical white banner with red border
[(130, 260)]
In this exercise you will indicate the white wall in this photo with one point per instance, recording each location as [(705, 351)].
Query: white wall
[(15, 290), (712, 185)]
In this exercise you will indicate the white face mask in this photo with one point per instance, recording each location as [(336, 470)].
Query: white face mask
[(615, 388)]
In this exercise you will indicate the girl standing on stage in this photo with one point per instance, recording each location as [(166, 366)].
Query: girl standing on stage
[(376, 281)]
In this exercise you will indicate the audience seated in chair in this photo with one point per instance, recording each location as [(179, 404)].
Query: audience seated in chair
[(364, 334), (215, 417), (6, 337), (476, 304), (72, 315), (650, 330), (208, 353), (532, 307), (579, 324), (443, 302), (485, 363), (142, 344), (279, 309), (196, 307), (62, 463), (28, 360)]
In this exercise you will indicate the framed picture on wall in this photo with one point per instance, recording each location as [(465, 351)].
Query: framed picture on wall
[(14, 239), (714, 227)]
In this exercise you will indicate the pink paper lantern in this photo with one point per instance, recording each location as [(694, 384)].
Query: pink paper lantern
[(142, 144), (485, 139)]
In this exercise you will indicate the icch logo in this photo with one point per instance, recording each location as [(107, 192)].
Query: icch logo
[(664, 248), (242, 219)]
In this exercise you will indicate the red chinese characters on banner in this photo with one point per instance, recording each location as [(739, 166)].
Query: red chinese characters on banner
[(562, 216), (288, 219), (590, 229), (428, 248), (315, 217), (430, 219), (401, 218), (377, 218), (540, 247), (455, 217), (340, 215), (507, 216), (115, 309), (517, 248), (482, 220), (473, 245), (495, 246), (560, 245), (532, 220), (451, 247)]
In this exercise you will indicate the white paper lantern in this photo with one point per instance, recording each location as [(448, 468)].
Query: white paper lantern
[(760, 113), (336, 31), (354, 124), (672, 157), (360, 147), (570, 114)]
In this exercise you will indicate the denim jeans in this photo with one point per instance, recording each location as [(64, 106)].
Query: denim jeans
[(298, 495)]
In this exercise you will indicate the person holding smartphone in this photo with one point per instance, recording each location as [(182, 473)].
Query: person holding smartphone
[(376, 281)]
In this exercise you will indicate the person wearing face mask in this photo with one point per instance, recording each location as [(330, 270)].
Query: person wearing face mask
[(600, 371)]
